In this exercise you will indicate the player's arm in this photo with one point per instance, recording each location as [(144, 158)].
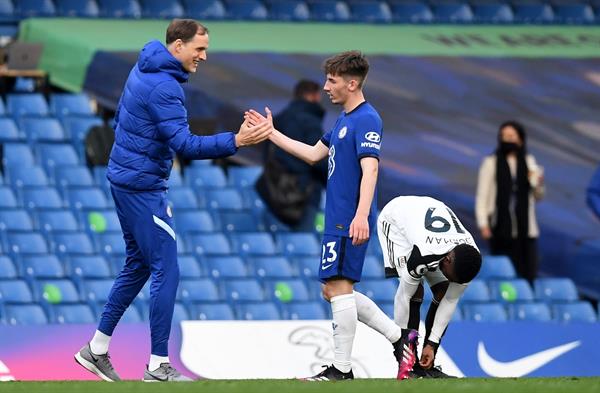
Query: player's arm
[(441, 320), (359, 227), (307, 153)]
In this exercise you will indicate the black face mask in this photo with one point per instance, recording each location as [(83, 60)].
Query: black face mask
[(509, 147)]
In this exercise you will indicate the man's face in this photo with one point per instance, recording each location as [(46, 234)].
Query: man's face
[(336, 88), (192, 52), (509, 134)]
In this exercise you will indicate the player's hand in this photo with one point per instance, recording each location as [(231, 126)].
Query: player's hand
[(427, 357), (252, 133), (359, 230), (255, 117), (486, 233)]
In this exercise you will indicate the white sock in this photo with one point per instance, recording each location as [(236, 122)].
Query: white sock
[(344, 328), (99, 343), (156, 361), (373, 317)]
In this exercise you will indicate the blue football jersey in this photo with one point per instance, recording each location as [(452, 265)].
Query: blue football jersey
[(356, 134)]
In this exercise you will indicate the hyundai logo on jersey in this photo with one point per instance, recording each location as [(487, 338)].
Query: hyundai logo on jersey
[(373, 137)]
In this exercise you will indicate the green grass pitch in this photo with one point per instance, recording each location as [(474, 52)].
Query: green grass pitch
[(469, 385)]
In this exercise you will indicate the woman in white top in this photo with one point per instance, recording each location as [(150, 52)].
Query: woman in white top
[(510, 182)]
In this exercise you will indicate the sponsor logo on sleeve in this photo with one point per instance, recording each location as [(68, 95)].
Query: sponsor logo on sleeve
[(373, 139)]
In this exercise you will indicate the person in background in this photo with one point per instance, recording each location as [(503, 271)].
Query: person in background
[(509, 185)]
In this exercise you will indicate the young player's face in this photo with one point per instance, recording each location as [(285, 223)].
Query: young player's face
[(192, 52), (336, 88)]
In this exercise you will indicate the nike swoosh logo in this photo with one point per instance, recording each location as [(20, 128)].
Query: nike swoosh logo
[(325, 267), (522, 366), (164, 379)]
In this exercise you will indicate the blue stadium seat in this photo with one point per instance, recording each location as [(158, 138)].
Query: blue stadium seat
[(258, 311), (191, 221), (162, 9), (25, 314), (15, 220), (7, 198), (42, 266), (529, 312), (492, 12), (99, 173), (18, 154), (476, 291), (23, 176), (373, 268), (380, 291), (530, 12), (297, 290), (289, 10), (77, 9), (304, 310), (86, 198), (246, 10), (55, 155), (484, 312), (182, 198), (180, 313), (308, 267), (298, 244), (35, 8), (77, 127), (15, 291), (72, 313), (452, 13), (7, 11), (208, 177), (509, 291), (97, 290), (251, 199), (26, 243), (374, 248), (411, 12), (205, 9), (209, 244), (7, 268), (224, 199), (56, 220), (272, 267), (24, 85), (225, 267), (240, 221), (257, 243), (77, 243), (19, 105), (194, 291), (131, 315), (498, 266), (9, 131), (41, 198), (555, 290), (244, 176), (272, 223), (573, 13), (37, 129), (88, 266), (216, 311), (175, 178), (72, 176), (580, 311), (111, 244), (243, 290), (120, 8), (329, 11), (370, 11), (63, 288), (189, 267), (71, 104)]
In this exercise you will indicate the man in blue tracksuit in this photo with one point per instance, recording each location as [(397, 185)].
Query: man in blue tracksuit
[(150, 125)]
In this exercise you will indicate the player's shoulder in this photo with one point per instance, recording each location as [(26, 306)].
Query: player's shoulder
[(368, 113)]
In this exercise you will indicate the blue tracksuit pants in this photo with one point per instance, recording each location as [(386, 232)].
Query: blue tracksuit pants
[(151, 247)]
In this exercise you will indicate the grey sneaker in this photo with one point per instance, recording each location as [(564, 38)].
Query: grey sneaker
[(165, 373), (97, 364)]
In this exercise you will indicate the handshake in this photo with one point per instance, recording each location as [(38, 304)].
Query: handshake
[(255, 129)]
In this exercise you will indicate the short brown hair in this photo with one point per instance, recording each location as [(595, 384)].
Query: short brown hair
[(184, 29), (351, 63)]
